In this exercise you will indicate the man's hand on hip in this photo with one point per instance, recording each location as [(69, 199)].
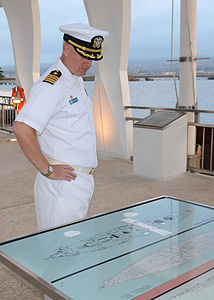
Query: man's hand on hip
[(63, 172)]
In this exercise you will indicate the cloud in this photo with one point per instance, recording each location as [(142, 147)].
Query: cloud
[(53, 13), (150, 28)]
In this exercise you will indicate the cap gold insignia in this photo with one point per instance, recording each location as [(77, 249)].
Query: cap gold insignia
[(97, 42)]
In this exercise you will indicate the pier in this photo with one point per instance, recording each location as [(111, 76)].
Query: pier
[(152, 76), (169, 75), (132, 77)]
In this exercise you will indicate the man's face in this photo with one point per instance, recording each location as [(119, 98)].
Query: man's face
[(75, 63)]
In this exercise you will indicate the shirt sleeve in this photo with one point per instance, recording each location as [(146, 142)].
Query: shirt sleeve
[(43, 102)]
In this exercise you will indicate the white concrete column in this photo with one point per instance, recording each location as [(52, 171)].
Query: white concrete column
[(188, 62), (111, 93), (24, 21)]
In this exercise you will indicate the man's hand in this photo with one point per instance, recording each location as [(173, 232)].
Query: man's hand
[(27, 139), (63, 172)]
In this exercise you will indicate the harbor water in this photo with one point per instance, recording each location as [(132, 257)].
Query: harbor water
[(160, 93)]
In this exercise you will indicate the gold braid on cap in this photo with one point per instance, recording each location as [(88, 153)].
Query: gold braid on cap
[(84, 48), (89, 56), (90, 50)]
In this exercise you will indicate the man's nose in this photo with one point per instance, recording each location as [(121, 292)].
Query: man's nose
[(87, 62)]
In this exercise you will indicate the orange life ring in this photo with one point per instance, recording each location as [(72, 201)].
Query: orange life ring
[(18, 98)]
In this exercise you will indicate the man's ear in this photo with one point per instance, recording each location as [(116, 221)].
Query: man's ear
[(66, 49)]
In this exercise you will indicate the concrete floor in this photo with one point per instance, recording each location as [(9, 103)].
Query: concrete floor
[(115, 187)]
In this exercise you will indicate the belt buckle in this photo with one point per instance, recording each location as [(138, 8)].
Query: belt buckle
[(92, 171)]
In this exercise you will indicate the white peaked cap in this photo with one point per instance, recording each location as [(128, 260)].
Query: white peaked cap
[(86, 40), (82, 31)]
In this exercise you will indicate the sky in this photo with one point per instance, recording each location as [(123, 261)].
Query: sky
[(150, 29)]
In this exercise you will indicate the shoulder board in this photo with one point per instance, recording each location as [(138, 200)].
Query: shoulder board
[(52, 77)]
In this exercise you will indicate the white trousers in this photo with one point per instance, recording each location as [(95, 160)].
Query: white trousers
[(58, 201)]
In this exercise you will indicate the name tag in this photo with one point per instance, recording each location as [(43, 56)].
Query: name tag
[(73, 100)]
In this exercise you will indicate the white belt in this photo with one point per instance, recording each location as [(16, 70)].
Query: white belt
[(76, 168)]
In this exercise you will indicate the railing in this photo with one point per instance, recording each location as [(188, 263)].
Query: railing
[(203, 160), (7, 113), (6, 80), (197, 112)]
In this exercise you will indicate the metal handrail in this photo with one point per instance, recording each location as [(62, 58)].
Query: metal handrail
[(200, 125), (171, 109)]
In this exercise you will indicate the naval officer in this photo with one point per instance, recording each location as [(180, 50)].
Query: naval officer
[(55, 130)]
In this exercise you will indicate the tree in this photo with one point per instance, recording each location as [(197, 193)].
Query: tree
[(1, 73)]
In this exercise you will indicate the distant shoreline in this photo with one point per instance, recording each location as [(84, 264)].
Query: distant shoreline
[(131, 77), (146, 66)]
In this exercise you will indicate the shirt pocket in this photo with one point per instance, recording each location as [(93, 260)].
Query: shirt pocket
[(71, 113), (72, 107)]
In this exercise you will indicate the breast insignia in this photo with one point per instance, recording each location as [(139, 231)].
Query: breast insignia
[(52, 77)]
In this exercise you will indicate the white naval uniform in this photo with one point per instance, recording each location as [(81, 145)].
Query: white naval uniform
[(62, 116)]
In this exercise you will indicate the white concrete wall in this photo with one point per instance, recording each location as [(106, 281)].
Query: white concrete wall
[(111, 93), (24, 21), (175, 149), (161, 154)]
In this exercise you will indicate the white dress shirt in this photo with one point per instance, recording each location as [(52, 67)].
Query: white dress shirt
[(62, 116)]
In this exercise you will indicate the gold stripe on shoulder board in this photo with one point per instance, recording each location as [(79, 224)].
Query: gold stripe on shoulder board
[(52, 77)]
